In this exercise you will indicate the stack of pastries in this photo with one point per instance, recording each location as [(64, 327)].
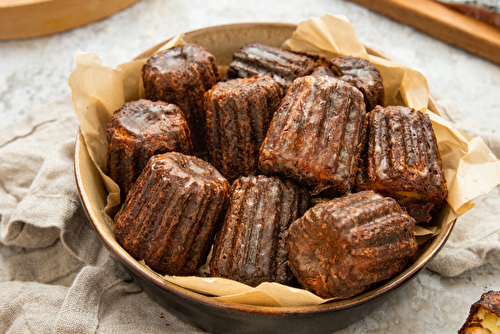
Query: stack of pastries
[(235, 167)]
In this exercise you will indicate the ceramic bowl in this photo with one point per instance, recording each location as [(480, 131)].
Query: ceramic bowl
[(224, 317)]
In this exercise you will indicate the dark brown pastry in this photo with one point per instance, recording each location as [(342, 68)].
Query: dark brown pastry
[(484, 315), (238, 115), (361, 74), (323, 70), (314, 137), (345, 246), (170, 215), (250, 247), (401, 160), (139, 130), (262, 60), (181, 75)]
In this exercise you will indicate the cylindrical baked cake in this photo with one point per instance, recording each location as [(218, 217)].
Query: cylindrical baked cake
[(181, 75), (343, 247), (238, 115), (484, 315), (363, 75), (139, 130), (283, 66), (171, 213), (315, 135), (323, 70), (250, 247), (401, 160)]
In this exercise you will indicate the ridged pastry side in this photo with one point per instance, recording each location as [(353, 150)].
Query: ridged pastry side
[(238, 115), (402, 160), (250, 247), (283, 66), (343, 247), (171, 213), (139, 130), (363, 75), (181, 75), (315, 135)]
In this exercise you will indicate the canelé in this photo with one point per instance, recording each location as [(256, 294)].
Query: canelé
[(316, 134), (238, 115), (345, 246), (401, 160), (171, 213), (181, 75), (139, 130), (250, 247)]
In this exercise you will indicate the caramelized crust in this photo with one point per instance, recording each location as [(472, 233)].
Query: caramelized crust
[(363, 75), (250, 246), (181, 75), (238, 115), (262, 60), (402, 160), (323, 70), (315, 135), (343, 247), (139, 130), (170, 215), (484, 315)]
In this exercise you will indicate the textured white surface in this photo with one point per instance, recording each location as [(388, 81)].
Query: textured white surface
[(34, 72)]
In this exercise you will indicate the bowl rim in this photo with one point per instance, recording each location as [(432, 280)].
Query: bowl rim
[(434, 244)]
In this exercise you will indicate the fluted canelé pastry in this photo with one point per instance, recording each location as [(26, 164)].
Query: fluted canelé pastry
[(171, 213), (401, 160), (181, 75), (484, 315), (139, 130), (323, 70), (315, 135), (362, 74), (283, 66), (343, 247), (250, 246), (238, 115)]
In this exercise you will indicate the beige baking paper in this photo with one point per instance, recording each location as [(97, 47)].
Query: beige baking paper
[(470, 167)]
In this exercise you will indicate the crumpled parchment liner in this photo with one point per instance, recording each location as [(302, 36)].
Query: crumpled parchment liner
[(470, 167)]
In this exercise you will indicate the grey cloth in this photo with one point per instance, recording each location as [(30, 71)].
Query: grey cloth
[(58, 277)]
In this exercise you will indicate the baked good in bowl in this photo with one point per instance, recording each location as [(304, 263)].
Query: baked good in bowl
[(184, 197), (256, 59), (401, 159), (345, 246), (139, 130), (181, 76), (363, 75), (250, 246), (209, 313), (238, 113), (315, 136)]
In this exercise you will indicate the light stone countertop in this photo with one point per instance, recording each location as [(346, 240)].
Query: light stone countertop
[(34, 72)]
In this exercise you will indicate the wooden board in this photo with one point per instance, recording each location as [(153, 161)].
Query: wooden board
[(450, 26), (32, 18)]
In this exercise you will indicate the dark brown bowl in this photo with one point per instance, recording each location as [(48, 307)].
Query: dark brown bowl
[(224, 317)]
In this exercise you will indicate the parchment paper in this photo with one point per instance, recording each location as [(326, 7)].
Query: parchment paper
[(470, 167)]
